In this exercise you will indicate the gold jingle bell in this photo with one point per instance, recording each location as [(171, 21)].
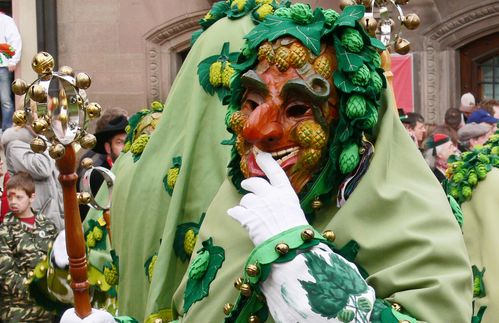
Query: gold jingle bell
[(67, 70), (43, 63), (87, 142), (94, 110), (370, 25), (238, 283), (307, 235), (397, 307), (245, 290), (37, 93), (158, 321), (402, 46), (31, 274), (316, 204), (20, 118), (282, 248), (254, 319), (68, 277), (40, 126), (38, 145), (56, 151), (346, 3), (228, 308), (83, 81), (83, 197), (87, 163), (43, 268), (252, 270), (411, 21), (329, 235), (19, 87)]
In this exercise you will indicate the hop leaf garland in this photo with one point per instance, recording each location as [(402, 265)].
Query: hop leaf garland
[(95, 235)]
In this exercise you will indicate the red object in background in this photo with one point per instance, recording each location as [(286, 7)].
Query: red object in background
[(402, 81), (5, 204)]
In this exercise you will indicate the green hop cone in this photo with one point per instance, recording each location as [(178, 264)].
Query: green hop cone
[(127, 129), (356, 106), (477, 286), (283, 12), (361, 77), (139, 144), (346, 315), (494, 138), (330, 16), (349, 159), (228, 73), (216, 74), (481, 171), (127, 146), (172, 177), (458, 177), (264, 10), (199, 265), (466, 190), (369, 122), (189, 241), (377, 81), (152, 264), (111, 275), (239, 4), (472, 179), (454, 192), (97, 233), (90, 240), (301, 13), (375, 58), (352, 40), (495, 150), (483, 158), (157, 106)]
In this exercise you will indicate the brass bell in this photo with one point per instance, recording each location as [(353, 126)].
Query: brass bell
[(238, 283), (51, 271), (68, 277), (40, 126), (19, 118), (57, 151), (316, 204), (254, 319), (397, 307), (307, 235), (252, 270), (282, 248), (402, 46), (87, 163), (67, 70), (31, 274), (19, 87), (43, 63), (83, 81), (345, 3), (370, 25), (411, 21), (228, 308), (38, 145), (158, 320), (329, 235), (99, 283), (245, 290), (43, 268), (37, 93), (94, 110), (88, 141), (83, 197)]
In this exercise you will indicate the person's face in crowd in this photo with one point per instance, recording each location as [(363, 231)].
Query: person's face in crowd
[(444, 151), (419, 131), (478, 141), (279, 119), (115, 145), (19, 201), (496, 111)]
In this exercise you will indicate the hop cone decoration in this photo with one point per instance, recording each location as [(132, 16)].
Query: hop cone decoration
[(361, 77), (301, 13), (172, 177), (139, 144), (349, 159), (298, 55), (199, 265), (282, 58), (227, 74), (264, 10), (323, 66), (356, 106), (216, 74), (111, 275), (189, 241), (330, 16), (352, 40), (377, 82)]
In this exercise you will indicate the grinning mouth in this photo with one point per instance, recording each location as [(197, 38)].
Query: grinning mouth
[(282, 155)]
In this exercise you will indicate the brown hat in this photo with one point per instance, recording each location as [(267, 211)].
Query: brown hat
[(472, 130)]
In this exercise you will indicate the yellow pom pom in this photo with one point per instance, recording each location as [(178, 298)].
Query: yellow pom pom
[(172, 177), (239, 4), (227, 74), (189, 241), (216, 74), (264, 11)]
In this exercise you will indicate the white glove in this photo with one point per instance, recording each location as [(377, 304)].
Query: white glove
[(59, 252), (97, 316), (269, 208)]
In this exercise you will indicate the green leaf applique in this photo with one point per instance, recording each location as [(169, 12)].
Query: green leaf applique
[(185, 238), (171, 176), (202, 272)]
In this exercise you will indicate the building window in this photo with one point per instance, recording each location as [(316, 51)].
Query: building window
[(489, 78)]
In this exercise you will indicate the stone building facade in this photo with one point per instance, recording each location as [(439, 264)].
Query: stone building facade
[(133, 49)]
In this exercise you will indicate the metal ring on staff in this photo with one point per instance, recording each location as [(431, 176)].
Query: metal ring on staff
[(109, 178)]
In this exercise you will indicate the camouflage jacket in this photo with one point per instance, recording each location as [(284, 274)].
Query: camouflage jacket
[(22, 246)]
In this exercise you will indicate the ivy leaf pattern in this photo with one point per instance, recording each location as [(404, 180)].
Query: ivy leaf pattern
[(347, 62), (349, 16), (335, 285)]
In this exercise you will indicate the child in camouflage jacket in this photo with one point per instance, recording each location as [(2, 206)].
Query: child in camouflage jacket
[(24, 241)]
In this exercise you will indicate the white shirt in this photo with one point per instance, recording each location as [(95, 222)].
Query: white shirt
[(10, 34)]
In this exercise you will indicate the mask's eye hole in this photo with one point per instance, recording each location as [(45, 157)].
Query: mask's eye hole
[(252, 105), (297, 111)]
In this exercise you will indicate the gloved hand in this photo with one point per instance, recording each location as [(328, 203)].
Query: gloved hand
[(97, 316), (59, 253), (269, 208)]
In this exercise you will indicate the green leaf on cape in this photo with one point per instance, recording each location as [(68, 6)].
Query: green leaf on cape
[(349, 16), (347, 62)]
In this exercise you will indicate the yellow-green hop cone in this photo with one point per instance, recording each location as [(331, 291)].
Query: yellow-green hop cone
[(352, 40), (472, 179), (227, 75), (90, 240), (361, 77), (239, 4), (97, 233), (454, 192), (199, 265), (298, 55), (330, 16), (264, 11), (189, 241), (152, 264), (139, 144), (458, 177), (172, 177), (483, 158), (157, 106), (282, 58), (111, 276), (356, 106), (216, 74), (349, 159), (481, 171), (259, 2), (127, 146), (283, 12), (495, 150), (466, 190), (127, 129), (370, 122), (301, 13), (323, 66), (377, 82)]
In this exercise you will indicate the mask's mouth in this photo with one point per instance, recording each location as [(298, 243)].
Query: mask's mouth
[(285, 158)]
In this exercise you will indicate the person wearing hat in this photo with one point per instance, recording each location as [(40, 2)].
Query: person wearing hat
[(474, 134), (438, 148), (110, 134), (468, 104), (481, 115)]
